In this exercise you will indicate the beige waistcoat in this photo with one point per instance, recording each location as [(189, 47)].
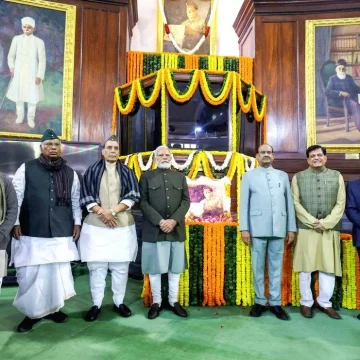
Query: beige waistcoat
[(109, 194)]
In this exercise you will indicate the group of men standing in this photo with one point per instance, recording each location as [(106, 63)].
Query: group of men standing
[(47, 217), (313, 207), (44, 205)]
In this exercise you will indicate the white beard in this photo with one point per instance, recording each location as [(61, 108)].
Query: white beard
[(163, 165), (341, 75)]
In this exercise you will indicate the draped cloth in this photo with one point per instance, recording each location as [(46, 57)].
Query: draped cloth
[(61, 179), (43, 289), (90, 187)]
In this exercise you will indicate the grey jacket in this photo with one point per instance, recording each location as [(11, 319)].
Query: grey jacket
[(11, 213), (163, 195)]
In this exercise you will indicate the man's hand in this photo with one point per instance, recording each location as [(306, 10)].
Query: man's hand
[(168, 225), (245, 236), (344, 93), (107, 218), (37, 81), (16, 232), (76, 232), (290, 237), (318, 227), (12, 72)]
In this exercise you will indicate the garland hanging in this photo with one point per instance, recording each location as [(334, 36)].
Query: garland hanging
[(165, 80), (171, 36)]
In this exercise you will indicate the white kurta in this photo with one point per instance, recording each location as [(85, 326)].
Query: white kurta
[(43, 264), (27, 57)]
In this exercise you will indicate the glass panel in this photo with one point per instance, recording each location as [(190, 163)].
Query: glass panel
[(197, 124)]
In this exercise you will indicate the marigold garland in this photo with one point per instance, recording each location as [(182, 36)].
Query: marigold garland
[(164, 81), (140, 63)]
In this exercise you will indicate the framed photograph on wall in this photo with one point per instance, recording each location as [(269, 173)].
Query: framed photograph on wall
[(332, 69), (187, 21), (37, 41)]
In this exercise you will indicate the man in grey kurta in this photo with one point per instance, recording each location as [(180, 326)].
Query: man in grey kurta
[(164, 201), (267, 217), (319, 198), (8, 214)]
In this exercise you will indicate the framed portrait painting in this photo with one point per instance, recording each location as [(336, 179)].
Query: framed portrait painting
[(332, 69), (37, 41), (209, 201), (187, 21)]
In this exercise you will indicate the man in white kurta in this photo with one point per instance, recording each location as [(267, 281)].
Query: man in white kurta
[(319, 199), (43, 246), (108, 238), (27, 63)]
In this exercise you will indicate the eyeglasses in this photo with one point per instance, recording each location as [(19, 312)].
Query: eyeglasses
[(164, 155), (50, 144), (313, 156), (269, 152)]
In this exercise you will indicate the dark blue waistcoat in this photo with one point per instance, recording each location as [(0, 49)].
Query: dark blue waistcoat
[(39, 215)]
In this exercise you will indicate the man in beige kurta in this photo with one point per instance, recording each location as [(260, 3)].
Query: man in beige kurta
[(319, 199), (108, 238)]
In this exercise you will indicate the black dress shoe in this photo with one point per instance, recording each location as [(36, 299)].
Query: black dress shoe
[(178, 310), (358, 316), (93, 313), (279, 312), (27, 324), (58, 317), (154, 311), (123, 310), (257, 310)]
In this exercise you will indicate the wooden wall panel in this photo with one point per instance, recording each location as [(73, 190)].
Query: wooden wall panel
[(279, 71), (277, 77), (102, 28), (100, 70)]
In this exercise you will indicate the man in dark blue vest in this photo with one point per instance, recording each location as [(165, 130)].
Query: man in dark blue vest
[(48, 222)]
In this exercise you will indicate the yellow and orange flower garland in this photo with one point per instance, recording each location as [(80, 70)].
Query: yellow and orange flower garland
[(165, 83), (136, 67)]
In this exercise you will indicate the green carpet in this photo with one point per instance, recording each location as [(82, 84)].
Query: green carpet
[(209, 333)]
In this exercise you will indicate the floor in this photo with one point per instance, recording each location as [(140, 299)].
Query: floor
[(335, 133), (209, 333)]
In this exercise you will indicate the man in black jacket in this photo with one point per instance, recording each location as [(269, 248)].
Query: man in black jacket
[(49, 221), (164, 201)]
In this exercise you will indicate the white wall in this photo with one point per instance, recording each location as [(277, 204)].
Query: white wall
[(144, 33)]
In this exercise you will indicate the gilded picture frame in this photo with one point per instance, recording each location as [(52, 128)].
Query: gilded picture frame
[(55, 27), (177, 16), (332, 117)]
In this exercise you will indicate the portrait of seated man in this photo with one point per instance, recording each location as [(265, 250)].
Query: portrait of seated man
[(340, 86)]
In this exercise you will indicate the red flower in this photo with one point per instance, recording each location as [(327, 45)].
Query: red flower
[(206, 31), (167, 29)]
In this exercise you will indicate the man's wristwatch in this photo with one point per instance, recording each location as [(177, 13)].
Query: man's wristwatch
[(113, 212)]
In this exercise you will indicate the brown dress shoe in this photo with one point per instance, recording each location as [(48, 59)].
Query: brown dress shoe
[(329, 312), (306, 311)]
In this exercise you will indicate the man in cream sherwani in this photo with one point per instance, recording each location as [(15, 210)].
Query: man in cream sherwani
[(108, 238), (27, 62), (267, 217)]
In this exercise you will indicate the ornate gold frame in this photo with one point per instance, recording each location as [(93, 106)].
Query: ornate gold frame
[(310, 48), (160, 31), (68, 77)]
